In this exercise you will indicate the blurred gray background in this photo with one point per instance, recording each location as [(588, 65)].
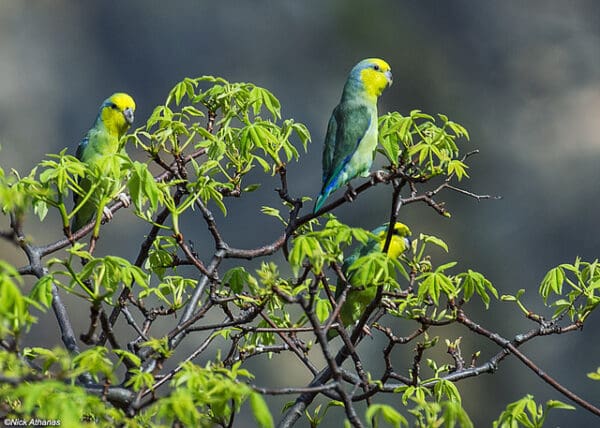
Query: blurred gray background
[(523, 77)]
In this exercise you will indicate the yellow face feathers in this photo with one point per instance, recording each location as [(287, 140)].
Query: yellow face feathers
[(116, 113), (122, 101), (402, 230), (379, 63), (399, 243), (375, 75)]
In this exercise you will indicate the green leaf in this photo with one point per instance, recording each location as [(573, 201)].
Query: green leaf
[(360, 235), (273, 212), (446, 388), (474, 282), (556, 404), (40, 208), (306, 247), (142, 187), (552, 283), (457, 168), (388, 413), (525, 412), (459, 130), (455, 414), (95, 362), (236, 278), (251, 188), (434, 240), (322, 309), (261, 411), (265, 165), (42, 290), (134, 359), (594, 375), (417, 114), (140, 379), (435, 283), (259, 97), (372, 270), (14, 307)]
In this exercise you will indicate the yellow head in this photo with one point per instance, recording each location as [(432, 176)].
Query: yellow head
[(399, 243), (116, 113), (375, 75)]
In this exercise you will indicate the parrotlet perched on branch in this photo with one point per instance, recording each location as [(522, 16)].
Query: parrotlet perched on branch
[(351, 137), (360, 295), (97, 150)]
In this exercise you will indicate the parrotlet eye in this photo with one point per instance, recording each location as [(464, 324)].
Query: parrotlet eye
[(376, 67)]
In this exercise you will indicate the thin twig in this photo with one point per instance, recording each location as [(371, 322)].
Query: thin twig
[(509, 346), (284, 391)]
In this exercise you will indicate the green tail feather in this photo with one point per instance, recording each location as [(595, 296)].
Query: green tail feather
[(319, 203)]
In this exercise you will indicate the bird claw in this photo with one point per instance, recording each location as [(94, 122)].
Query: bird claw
[(389, 305), (350, 194), (108, 215), (125, 200), (367, 330), (378, 176)]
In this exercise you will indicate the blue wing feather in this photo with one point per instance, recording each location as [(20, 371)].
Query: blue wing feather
[(347, 127), (81, 147)]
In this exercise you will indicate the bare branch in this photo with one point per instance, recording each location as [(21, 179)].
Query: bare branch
[(510, 347), (285, 391)]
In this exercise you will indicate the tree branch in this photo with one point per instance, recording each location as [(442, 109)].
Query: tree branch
[(510, 347)]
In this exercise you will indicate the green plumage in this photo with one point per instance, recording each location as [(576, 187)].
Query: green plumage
[(97, 150), (359, 296), (351, 137)]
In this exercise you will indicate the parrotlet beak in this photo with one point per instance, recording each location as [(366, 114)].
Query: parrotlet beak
[(388, 76), (128, 113)]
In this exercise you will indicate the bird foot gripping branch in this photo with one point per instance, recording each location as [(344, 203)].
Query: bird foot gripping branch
[(108, 212), (379, 176), (124, 198), (350, 194), (108, 215)]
